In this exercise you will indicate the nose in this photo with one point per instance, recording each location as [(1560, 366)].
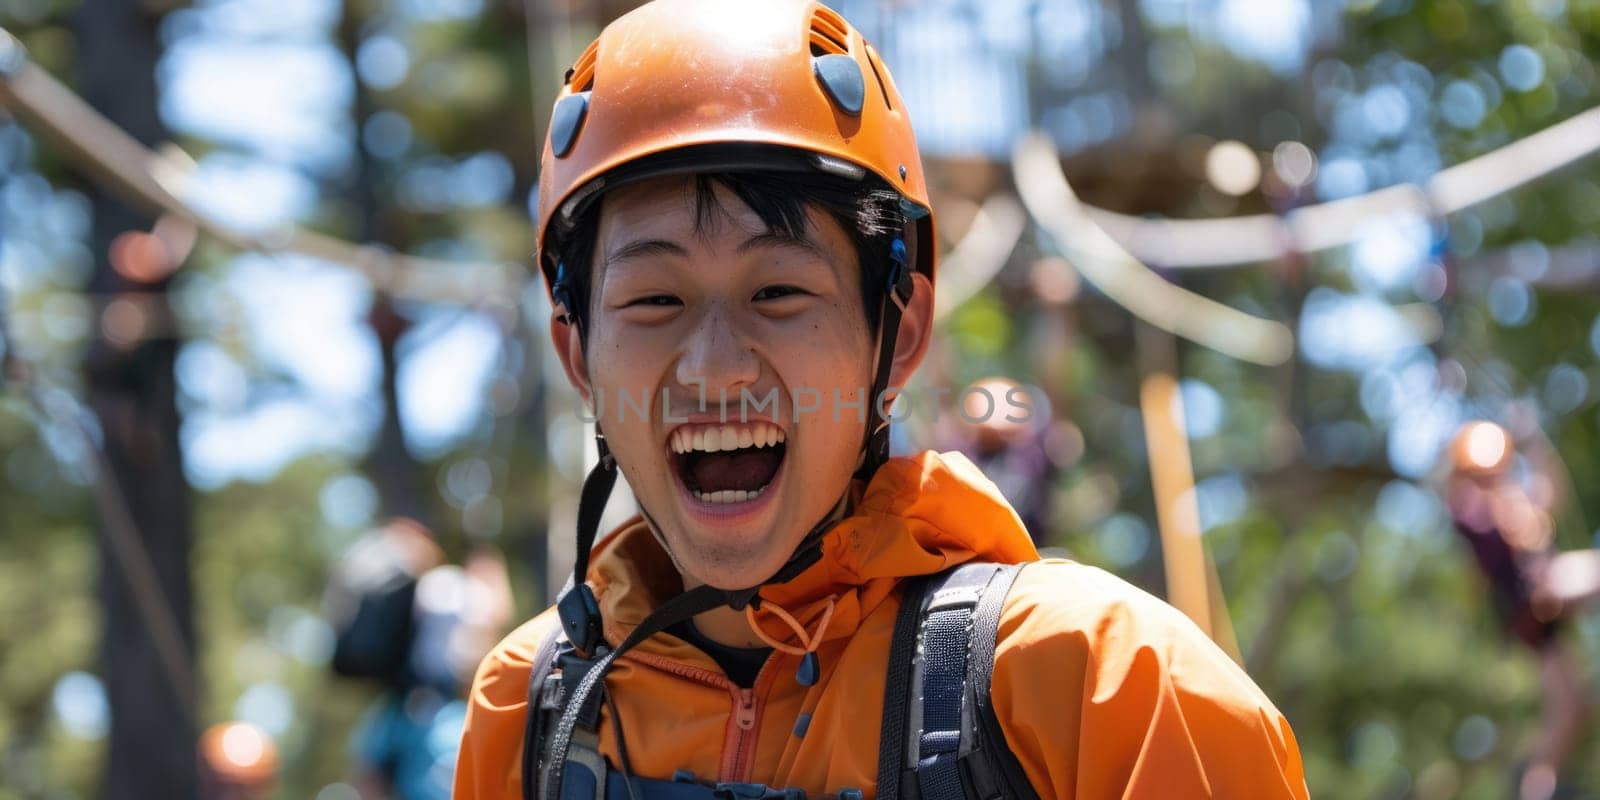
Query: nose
[(719, 357)]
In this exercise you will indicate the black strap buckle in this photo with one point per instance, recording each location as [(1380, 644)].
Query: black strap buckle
[(898, 282), (754, 791), (561, 295), (580, 617)]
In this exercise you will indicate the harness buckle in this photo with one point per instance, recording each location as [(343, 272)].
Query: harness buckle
[(754, 791), (580, 617)]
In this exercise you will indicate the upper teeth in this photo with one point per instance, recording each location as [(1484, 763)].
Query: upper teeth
[(714, 438)]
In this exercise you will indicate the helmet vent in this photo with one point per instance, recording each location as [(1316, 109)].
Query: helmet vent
[(877, 74), (581, 76), (830, 34)]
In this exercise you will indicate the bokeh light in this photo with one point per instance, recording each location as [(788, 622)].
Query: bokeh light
[(1233, 168), (1294, 163), (1483, 447), (1521, 68), (79, 700)]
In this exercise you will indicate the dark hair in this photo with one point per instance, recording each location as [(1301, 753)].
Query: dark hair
[(868, 211)]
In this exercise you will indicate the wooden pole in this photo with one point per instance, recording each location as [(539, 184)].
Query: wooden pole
[(1192, 583), (1177, 513)]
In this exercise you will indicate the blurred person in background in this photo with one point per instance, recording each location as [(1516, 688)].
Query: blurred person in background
[(416, 626), (1505, 517), (238, 761), (1004, 427)]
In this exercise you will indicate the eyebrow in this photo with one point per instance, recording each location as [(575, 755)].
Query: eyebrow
[(662, 247), (782, 240), (644, 247)]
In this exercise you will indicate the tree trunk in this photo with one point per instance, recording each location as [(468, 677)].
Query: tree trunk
[(389, 464), (132, 390)]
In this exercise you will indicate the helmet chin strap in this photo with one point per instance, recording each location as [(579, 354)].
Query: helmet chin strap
[(896, 294), (578, 608), (805, 553)]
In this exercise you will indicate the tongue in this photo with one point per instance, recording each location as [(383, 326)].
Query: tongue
[(746, 470)]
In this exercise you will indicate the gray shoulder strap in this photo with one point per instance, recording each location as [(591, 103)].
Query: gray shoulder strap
[(956, 749)]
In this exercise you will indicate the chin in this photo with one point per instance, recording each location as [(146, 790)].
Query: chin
[(728, 565)]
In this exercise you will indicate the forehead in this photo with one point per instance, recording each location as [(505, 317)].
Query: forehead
[(673, 209)]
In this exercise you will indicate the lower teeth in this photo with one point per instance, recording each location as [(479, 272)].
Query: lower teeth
[(728, 496)]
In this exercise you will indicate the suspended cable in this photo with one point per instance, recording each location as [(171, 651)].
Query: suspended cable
[(980, 255), (1102, 261), (1252, 239)]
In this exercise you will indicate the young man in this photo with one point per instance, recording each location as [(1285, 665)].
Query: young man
[(735, 225)]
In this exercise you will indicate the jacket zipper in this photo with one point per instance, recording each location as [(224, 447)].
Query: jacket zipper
[(739, 739)]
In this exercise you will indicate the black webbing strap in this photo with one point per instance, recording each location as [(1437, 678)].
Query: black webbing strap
[(686, 605), (897, 689), (898, 287), (949, 608), (577, 607), (993, 767), (960, 750), (544, 660)]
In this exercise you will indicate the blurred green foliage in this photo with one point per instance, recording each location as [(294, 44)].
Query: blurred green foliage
[(1358, 610)]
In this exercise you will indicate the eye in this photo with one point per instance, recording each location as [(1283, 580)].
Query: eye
[(778, 291), (654, 300)]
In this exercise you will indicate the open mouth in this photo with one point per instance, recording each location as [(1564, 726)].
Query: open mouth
[(725, 464)]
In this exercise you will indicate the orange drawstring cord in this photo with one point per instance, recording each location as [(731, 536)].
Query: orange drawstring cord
[(808, 642)]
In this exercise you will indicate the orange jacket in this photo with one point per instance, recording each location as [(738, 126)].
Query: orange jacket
[(1103, 691)]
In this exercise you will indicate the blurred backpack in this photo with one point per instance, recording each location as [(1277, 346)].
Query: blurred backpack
[(371, 599)]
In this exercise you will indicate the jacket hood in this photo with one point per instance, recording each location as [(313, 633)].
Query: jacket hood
[(919, 515)]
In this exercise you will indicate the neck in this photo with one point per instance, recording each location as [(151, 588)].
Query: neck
[(726, 627), (722, 624)]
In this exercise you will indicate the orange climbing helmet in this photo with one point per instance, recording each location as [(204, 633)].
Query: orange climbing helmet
[(679, 87), (682, 86)]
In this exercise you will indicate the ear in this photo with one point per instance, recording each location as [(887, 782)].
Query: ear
[(569, 348), (916, 330)]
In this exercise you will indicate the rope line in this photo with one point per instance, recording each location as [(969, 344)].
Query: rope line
[(1102, 261), (1251, 239), (153, 181)]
